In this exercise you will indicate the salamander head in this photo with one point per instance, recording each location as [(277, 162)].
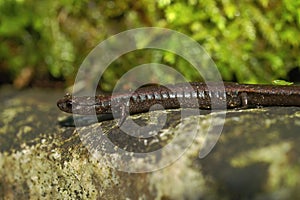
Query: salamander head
[(65, 104), (81, 105)]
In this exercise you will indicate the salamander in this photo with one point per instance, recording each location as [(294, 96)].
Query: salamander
[(183, 95)]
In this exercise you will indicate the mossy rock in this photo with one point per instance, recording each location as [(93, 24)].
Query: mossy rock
[(43, 156)]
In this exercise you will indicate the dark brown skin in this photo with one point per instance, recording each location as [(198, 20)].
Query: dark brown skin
[(185, 95)]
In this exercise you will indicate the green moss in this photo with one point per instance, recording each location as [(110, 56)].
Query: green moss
[(249, 41)]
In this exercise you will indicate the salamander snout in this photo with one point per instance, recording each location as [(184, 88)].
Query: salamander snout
[(65, 105)]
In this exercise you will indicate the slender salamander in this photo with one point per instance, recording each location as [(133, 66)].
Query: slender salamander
[(186, 95)]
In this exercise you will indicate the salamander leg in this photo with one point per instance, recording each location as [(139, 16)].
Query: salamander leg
[(244, 100), (123, 115)]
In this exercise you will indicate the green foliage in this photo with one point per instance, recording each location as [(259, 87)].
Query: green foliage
[(250, 41), (31, 37), (253, 41), (281, 82)]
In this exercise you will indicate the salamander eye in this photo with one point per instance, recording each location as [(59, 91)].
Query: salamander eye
[(69, 104)]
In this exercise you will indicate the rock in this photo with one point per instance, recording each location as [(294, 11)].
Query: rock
[(44, 156)]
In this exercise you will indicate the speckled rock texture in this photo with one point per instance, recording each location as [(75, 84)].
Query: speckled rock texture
[(44, 156)]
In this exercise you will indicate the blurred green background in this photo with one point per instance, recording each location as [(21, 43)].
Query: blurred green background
[(44, 42)]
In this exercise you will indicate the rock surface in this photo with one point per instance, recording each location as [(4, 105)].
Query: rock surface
[(44, 156)]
